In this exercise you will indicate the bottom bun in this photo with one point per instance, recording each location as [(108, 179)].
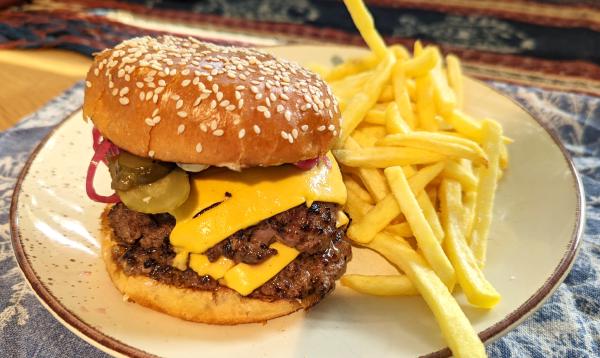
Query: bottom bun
[(222, 306)]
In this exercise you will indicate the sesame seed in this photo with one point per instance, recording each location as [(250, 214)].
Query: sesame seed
[(148, 95), (159, 90), (290, 139), (241, 103), (335, 133), (284, 135), (123, 91), (185, 83), (196, 81), (197, 101), (149, 122), (230, 108), (88, 84), (240, 87), (258, 96), (256, 129), (203, 127), (185, 72), (238, 95), (124, 101), (154, 112), (141, 95), (115, 92), (268, 102), (295, 133), (280, 108), (218, 133), (121, 73), (213, 104), (155, 98), (288, 115), (162, 83), (215, 88), (182, 114), (273, 96), (111, 84), (261, 108), (236, 121), (321, 128), (327, 102), (331, 127), (213, 124), (175, 97), (219, 96), (254, 89), (267, 114), (139, 84), (284, 96), (127, 77), (224, 103), (179, 104), (241, 133), (156, 119), (181, 128), (151, 154), (96, 71), (199, 147)]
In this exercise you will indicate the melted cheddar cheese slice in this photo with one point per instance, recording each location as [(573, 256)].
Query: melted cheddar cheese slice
[(238, 200)]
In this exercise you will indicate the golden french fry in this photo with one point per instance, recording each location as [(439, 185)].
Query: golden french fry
[(455, 79), (448, 145), (352, 67), (318, 68), (503, 156), (367, 134), (356, 207), (456, 328), (424, 176), (373, 179), (360, 103), (486, 189), (400, 52), (348, 86), (383, 157), (431, 215), (402, 229), (364, 229), (409, 170), (387, 94), (478, 290), (357, 189), (424, 103), (421, 64), (444, 97), (428, 242), (465, 125), (411, 88), (365, 25), (380, 285), (402, 96), (417, 48), (375, 116), (455, 171), (394, 123), (468, 216)]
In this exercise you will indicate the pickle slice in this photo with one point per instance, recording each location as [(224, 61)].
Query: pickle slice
[(163, 195), (128, 171)]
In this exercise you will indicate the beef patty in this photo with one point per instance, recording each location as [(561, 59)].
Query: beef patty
[(143, 248)]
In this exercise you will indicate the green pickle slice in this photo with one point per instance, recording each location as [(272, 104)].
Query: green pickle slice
[(129, 171), (161, 196)]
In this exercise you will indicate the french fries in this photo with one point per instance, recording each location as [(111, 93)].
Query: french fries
[(421, 174), (380, 285), (455, 327)]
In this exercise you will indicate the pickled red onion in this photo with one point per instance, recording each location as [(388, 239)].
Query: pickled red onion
[(101, 149), (307, 164)]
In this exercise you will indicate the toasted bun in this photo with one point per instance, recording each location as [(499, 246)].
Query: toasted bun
[(181, 100), (223, 306)]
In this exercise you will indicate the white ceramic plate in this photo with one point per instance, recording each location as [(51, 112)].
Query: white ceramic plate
[(534, 238)]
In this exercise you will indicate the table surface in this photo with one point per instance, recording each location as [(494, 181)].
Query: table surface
[(30, 78)]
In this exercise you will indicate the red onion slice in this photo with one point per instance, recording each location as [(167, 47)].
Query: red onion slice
[(307, 164), (100, 152)]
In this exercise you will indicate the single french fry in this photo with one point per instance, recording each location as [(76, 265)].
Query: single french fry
[(503, 156), (455, 171), (367, 134), (424, 176), (400, 52), (352, 67), (428, 242), (387, 94), (373, 179), (455, 78), (356, 207), (411, 88), (477, 288), (380, 285), (360, 103), (417, 48), (443, 96), (394, 123), (421, 64), (424, 103), (402, 229), (468, 216), (358, 190), (366, 26), (402, 96), (383, 157), (465, 125), (486, 189), (375, 116), (364, 229), (348, 86), (456, 328), (431, 215), (320, 69), (448, 145)]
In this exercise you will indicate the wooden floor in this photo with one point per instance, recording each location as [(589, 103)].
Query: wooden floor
[(30, 78)]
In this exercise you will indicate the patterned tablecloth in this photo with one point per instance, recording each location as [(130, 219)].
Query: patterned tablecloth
[(568, 324)]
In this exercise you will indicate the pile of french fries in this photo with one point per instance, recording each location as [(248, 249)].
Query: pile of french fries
[(421, 176)]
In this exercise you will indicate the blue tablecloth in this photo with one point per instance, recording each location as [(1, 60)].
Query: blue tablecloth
[(568, 325)]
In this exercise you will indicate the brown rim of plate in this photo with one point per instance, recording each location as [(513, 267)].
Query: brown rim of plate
[(114, 345)]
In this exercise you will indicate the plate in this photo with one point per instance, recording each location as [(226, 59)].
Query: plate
[(538, 221)]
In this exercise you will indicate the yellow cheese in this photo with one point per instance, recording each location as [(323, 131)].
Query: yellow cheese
[(246, 278), (248, 197), (180, 261), (203, 266), (342, 219)]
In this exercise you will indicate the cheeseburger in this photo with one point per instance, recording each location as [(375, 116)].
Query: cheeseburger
[(227, 203)]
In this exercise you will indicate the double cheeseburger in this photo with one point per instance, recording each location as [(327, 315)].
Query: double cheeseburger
[(227, 204)]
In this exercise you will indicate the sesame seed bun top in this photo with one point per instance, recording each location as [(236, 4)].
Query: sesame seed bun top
[(182, 100)]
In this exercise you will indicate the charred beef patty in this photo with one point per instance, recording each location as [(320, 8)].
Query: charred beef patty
[(143, 248)]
